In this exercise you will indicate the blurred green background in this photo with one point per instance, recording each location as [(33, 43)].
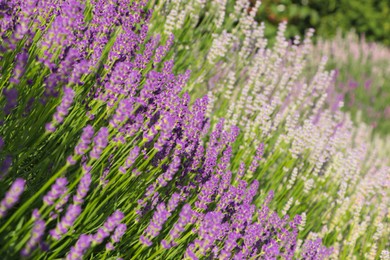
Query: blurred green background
[(368, 17)]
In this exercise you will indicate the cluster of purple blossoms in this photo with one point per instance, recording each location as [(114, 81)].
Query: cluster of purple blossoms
[(109, 226), (130, 159), (36, 234), (315, 250), (112, 225), (77, 251), (160, 216), (62, 227), (73, 210), (85, 140), (57, 190), (225, 223), (99, 143), (12, 196), (62, 109), (82, 189), (116, 236)]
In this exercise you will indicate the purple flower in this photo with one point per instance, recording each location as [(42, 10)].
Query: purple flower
[(85, 140), (155, 225), (82, 245), (100, 235), (210, 230), (130, 159), (314, 250), (162, 50), (62, 109), (100, 142), (208, 190), (57, 189), (173, 202), (66, 222), (11, 96), (122, 113), (12, 196), (82, 189), (168, 174), (119, 232), (114, 220), (60, 204), (21, 61), (116, 237), (111, 223), (36, 237), (258, 156), (230, 244)]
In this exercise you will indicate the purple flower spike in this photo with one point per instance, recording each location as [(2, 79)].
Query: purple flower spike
[(83, 188), (11, 96), (119, 232), (155, 225), (315, 250), (50, 127), (85, 140), (36, 237), (100, 235), (185, 218), (21, 60), (12, 196), (116, 237), (258, 156), (82, 245), (111, 223), (66, 222), (100, 142), (122, 113), (173, 202), (114, 220), (58, 189), (63, 108), (130, 159)]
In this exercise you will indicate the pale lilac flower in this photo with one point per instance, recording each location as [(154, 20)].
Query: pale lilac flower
[(12, 196)]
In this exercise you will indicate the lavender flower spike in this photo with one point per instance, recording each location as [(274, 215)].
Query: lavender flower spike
[(58, 189), (66, 222), (100, 142), (85, 140), (116, 237), (155, 225), (77, 251), (111, 223), (36, 236), (62, 109), (82, 189), (12, 196)]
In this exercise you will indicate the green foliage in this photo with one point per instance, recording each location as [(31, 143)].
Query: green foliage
[(368, 17)]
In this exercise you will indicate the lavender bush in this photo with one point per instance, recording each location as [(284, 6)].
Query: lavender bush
[(110, 150)]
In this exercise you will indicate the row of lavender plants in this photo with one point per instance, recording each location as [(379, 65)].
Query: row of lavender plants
[(274, 96), (110, 149), (363, 76)]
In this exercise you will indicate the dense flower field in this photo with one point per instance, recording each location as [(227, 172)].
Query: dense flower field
[(171, 130)]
